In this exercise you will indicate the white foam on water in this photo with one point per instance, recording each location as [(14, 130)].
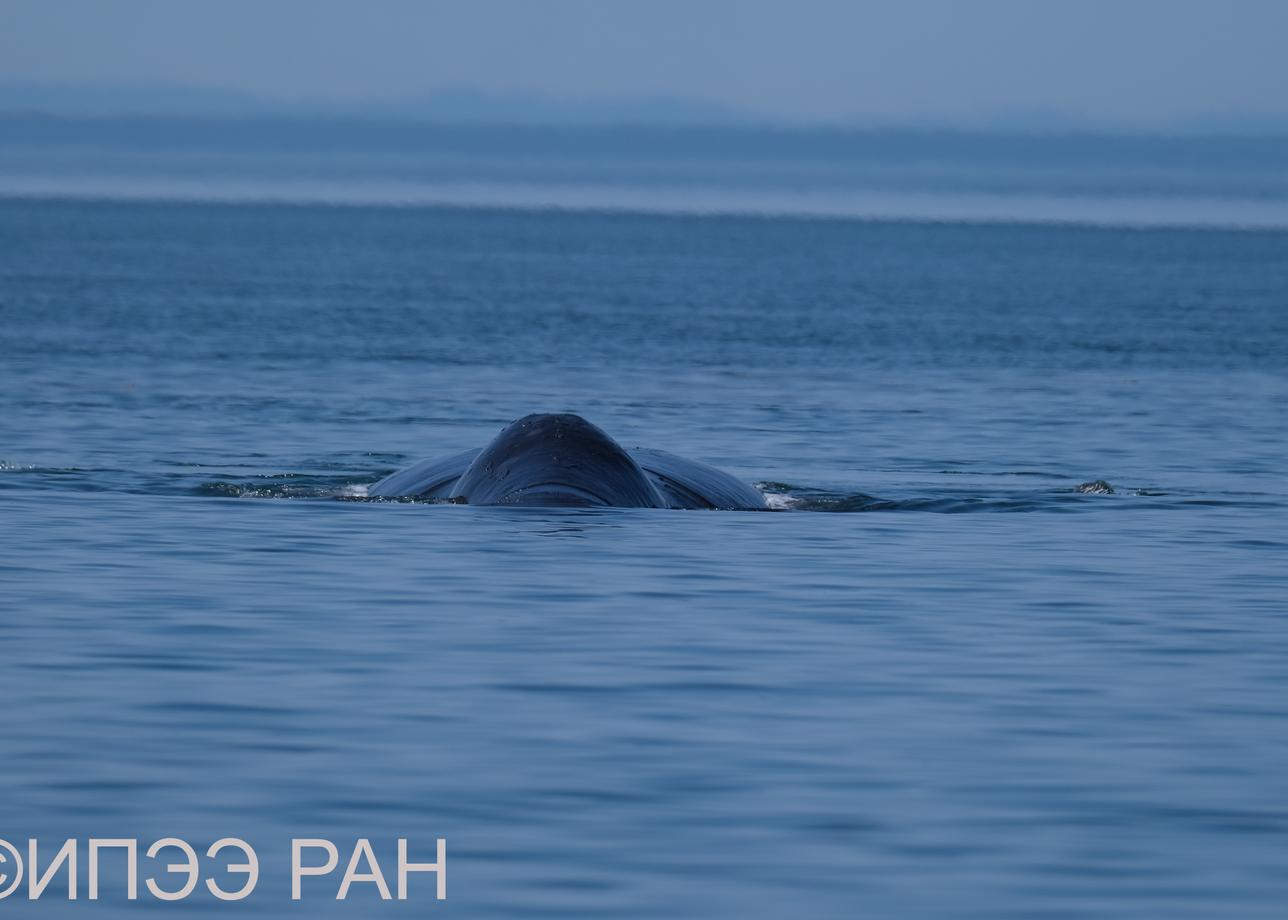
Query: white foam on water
[(779, 502)]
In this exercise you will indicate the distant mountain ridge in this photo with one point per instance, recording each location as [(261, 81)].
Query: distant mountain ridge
[(456, 105)]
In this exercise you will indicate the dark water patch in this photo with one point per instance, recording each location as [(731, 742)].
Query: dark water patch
[(76, 479), (214, 708), (1034, 474)]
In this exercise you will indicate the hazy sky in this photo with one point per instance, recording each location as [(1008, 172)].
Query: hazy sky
[(1140, 62)]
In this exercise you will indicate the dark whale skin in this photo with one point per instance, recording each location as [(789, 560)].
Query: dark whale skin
[(562, 460), (556, 460)]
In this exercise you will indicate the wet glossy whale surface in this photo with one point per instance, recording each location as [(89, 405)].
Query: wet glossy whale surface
[(562, 460)]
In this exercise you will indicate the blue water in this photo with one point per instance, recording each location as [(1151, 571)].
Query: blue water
[(982, 693)]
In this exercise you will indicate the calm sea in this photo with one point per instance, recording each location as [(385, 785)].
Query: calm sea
[(941, 682)]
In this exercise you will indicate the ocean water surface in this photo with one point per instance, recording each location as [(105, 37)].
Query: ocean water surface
[(940, 681)]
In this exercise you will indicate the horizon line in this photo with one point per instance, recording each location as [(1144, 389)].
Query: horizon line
[(467, 106)]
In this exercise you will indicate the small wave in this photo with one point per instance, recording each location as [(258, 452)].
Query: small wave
[(316, 488), (68, 478), (786, 497), (286, 485)]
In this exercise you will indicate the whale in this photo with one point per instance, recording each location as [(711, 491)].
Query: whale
[(562, 460)]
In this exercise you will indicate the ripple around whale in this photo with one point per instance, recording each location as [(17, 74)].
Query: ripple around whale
[(784, 497), (352, 485), (340, 479)]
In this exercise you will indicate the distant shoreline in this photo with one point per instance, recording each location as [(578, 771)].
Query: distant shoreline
[(938, 176), (1144, 217), (25, 128)]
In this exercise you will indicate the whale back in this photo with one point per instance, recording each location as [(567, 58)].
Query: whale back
[(432, 478), (689, 484), (556, 459), (565, 460)]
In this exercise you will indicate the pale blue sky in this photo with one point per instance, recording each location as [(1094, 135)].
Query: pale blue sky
[(1131, 62)]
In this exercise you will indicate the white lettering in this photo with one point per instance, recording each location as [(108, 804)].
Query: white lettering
[(36, 883), (5, 845), (250, 867), (439, 868), (190, 866), (363, 849), (131, 863), (298, 870)]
